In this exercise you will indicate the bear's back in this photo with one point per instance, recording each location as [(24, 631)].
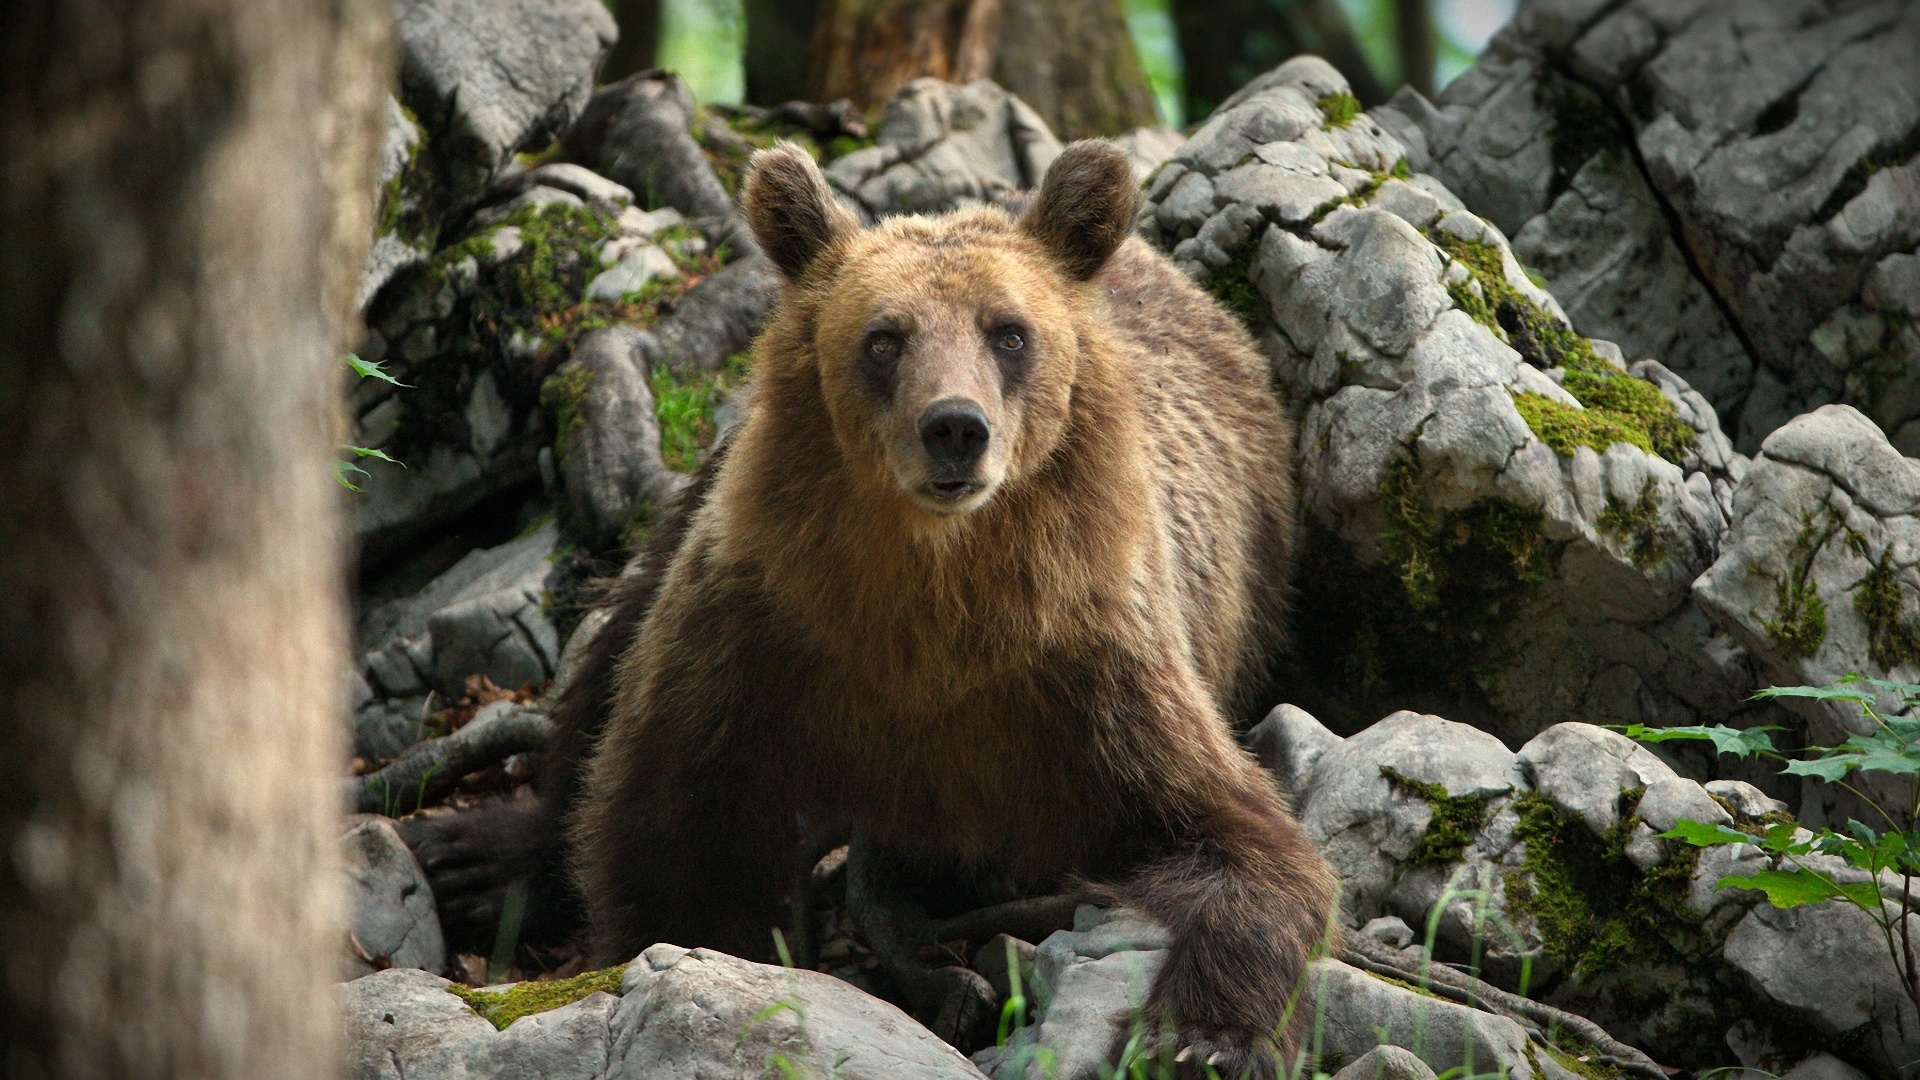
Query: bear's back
[(1221, 451)]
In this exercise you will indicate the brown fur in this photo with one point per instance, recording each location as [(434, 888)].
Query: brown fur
[(1033, 678)]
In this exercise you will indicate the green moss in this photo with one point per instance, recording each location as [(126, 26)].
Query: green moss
[(729, 136), (1357, 198), (502, 1008), (684, 404), (1339, 109), (1883, 367), (1456, 820), (1579, 127), (1566, 428), (1585, 1065), (1234, 289), (1629, 410), (1401, 983), (1595, 911), (1492, 543), (414, 200), (1891, 639), (1638, 525), (1799, 623), (561, 395), (1401, 170)]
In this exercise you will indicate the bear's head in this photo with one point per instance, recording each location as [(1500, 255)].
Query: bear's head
[(947, 349)]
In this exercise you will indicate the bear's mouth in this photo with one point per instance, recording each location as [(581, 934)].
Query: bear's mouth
[(950, 491)]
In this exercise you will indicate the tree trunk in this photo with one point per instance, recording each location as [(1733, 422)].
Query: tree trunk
[(183, 212), (1074, 61), (1225, 43), (779, 33), (1414, 33), (865, 50), (639, 44)]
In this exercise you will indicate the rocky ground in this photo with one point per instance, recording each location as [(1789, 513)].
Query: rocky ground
[(1532, 533)]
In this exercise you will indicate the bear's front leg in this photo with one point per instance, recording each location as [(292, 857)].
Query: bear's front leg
[(1230, 873)]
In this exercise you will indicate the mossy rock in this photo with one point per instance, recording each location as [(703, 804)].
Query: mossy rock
[(502, 1007)]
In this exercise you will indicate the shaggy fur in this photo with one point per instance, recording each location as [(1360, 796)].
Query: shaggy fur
[(1034, 677)]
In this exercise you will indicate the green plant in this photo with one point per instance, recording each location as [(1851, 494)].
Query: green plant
[(1891, 748), (343, 467)]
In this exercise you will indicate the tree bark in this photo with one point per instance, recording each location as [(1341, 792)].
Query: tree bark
[(1413, 31), (1225, 43), (1074, 61), (639, 46), (779, 33), (184, 209), (865, 50)]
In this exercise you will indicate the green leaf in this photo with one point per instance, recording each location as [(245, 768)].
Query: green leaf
[(1727, 740), (1784, 888), (1818, 693), (341, 469), (377, 455), (1701, 834), (1829, 769), (371, 369)]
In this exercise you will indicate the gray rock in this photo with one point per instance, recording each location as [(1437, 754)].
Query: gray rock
[(1086, 981), (1148, 148), (638, 133), (1386, 1063), (1670, 801), (609, 450), (1586, 769), (1358, 1011), (1389, 930), (702, 1013), (716, 318), (639, 266), (1745, 800), (389, 903), (1288, 742), (1828, 964), (581, 182), (1728, 182), (679, 1013), (394, 199), (1412, 439), (1828, 515), (386, 726), (941, 146), (492, 77), (482, 616), (1000, 957), (403, 1023)]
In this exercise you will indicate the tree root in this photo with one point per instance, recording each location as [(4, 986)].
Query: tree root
[(429, 770), (1536, 1018)]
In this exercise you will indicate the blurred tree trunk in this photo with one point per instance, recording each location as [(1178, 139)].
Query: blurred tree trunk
[(1413, 32), (1225, 43), (183, 216), (864, 50), (1074, 61), (639, 44), (779, 38)]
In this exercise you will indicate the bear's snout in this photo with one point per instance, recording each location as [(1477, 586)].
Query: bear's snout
[(955, 433)]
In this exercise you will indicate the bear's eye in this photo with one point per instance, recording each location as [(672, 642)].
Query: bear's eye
[(1009, 340), (882, 347)]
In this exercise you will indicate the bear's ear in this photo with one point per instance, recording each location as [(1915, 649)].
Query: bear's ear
[(792, 211), (1086, 207)]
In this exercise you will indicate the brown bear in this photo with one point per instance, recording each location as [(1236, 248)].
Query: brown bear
[(1005, 530)]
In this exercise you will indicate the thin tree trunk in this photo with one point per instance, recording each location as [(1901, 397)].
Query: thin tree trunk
[(639, 44), (183, 210), (1074, 61), (1225, 43), (779, 36), (1414, 32), (865, 50)]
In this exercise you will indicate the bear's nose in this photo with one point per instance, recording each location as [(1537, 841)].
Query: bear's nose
[(954, 431)]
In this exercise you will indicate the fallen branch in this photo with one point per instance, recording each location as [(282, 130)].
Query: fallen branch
[(1370, 955), (1031, 919), (429, 770)]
